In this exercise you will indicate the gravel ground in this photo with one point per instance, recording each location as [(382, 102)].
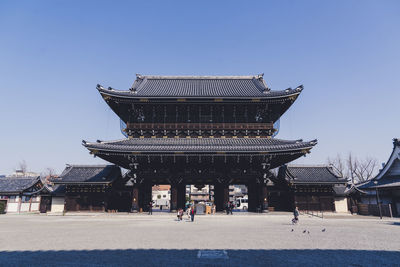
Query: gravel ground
[(238, 240)]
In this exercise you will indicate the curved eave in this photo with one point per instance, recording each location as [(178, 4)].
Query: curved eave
[(393, 156), (316, 183), (96, 148), (83, 182), (270, 95)]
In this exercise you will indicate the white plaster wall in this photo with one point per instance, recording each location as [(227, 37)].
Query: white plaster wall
[(35, 207), (24, 207), (341, 204), (12, 207), (57, 204)]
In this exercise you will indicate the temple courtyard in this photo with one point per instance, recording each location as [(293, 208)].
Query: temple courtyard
[(219, 240)]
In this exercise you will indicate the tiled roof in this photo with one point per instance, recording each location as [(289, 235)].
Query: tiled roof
[(200, 145), (17, 184), (341, 190), (88, 174), (312, 174), (200, 86)]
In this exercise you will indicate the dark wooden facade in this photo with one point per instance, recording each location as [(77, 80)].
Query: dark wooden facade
[(312, 188), (199, 130), (94, 188)]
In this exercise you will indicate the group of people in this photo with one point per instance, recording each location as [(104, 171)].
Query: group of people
[(190, 212)]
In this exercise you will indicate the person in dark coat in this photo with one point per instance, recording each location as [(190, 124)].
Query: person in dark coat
[(231, 206), (296, 215), (150, 207), (192, 213)]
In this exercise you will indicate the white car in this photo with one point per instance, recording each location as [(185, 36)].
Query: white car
[(242, 203)]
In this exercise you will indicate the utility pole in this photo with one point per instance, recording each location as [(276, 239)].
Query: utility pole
[(377, 199)]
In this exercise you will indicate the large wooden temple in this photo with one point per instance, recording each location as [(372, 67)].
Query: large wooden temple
[(199, 130)]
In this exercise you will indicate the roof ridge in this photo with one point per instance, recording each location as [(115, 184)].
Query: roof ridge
[(21, 177), (194, 77), (309, 165), (89, 166)]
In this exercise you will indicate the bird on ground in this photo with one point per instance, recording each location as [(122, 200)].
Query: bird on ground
[(308, 232), (304, 231), (292, 230), (323, 230)]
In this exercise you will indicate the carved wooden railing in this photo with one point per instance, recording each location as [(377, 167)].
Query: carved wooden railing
[(199, 126)]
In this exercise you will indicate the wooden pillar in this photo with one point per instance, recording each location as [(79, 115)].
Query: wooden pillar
[(174, 197), (146, 196), (221, 195), (253, 196), (181, 195)]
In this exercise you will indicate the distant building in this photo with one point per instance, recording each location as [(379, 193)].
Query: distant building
[(161, 195), (20, 173), (22, 194), (200, 194)]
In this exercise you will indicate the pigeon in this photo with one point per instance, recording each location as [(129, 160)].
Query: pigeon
[(292, 230), (323, 230), (304, 231), (308, 232)]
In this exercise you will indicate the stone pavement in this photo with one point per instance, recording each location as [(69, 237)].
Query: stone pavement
[(220, 240)]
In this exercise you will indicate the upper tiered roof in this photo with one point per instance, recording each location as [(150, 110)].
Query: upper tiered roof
[(147, 86)]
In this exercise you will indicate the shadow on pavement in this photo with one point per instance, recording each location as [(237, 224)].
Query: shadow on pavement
[(175, 257)]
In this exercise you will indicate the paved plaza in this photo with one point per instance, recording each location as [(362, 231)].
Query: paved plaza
[(219, 240)]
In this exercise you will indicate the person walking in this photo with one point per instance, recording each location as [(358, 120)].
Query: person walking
[(296, 215), (231, 206), (151, 208), (192, 213), (213, 208)]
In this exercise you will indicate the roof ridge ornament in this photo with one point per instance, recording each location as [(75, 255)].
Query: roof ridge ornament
[(396, 142), (259, 76)]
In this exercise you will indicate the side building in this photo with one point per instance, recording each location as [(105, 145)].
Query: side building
[(22, 194), (383, 191), (93, 188), (313, 188)]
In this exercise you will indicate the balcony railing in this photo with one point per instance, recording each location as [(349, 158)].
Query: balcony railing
[(199, 126)]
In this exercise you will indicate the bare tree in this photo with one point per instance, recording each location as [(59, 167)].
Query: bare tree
[(338, 164), (366, 169), (22, 166), (50, 172), (352, 165), (353, 169)]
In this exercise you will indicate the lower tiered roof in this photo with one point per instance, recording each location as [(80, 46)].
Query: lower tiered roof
[(199, 145)]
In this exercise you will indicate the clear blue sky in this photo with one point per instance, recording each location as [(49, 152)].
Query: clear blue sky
[(53, 53)]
